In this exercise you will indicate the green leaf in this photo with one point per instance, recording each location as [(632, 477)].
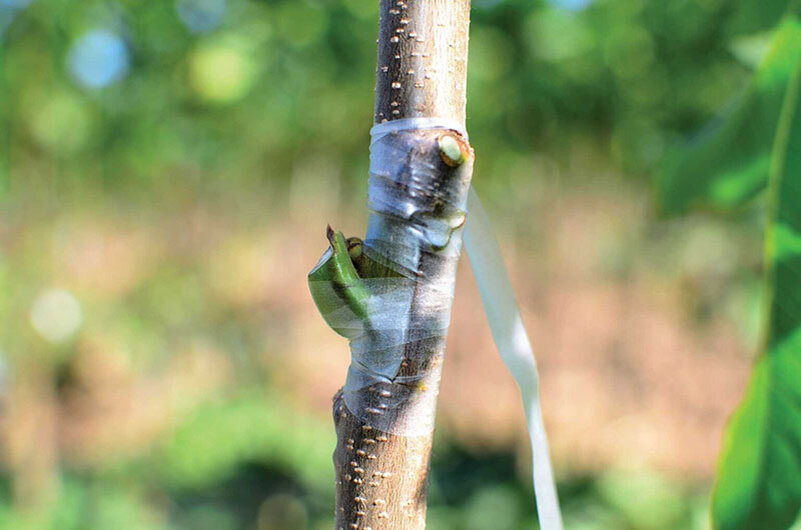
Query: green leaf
[(759, 474), (729, 163)]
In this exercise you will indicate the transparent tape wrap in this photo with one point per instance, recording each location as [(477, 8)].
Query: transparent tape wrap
[(397, 333), (382, 351), (393, 379)]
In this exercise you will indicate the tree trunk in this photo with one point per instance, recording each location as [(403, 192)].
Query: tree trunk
[(381, 477)]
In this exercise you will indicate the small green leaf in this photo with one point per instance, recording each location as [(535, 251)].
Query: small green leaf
[(759, 474), (337, 289), (729, 163)]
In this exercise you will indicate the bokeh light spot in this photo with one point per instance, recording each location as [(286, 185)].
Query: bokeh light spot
[(98, 59), (59, 121), (200, 16), (56, 315), (221, 73)]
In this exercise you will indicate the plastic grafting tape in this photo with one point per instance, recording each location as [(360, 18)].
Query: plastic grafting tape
[(375, 391), (400, 232)]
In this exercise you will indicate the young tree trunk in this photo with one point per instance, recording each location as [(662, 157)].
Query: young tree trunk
[(381, 477)]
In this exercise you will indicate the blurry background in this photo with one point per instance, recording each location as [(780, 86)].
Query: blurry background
[(167, 170)]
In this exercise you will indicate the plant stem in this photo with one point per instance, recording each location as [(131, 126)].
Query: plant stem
[(382, 477)]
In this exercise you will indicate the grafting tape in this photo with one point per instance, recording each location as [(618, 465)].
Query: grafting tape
[(393, 380)]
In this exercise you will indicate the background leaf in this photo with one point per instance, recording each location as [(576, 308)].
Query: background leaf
[(759, 481), (729, 162)]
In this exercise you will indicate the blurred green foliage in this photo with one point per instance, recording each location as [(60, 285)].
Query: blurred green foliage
[(238, 102), (141, 107)]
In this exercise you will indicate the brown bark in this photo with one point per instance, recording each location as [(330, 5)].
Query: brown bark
[(382, 478), (422, 59)]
